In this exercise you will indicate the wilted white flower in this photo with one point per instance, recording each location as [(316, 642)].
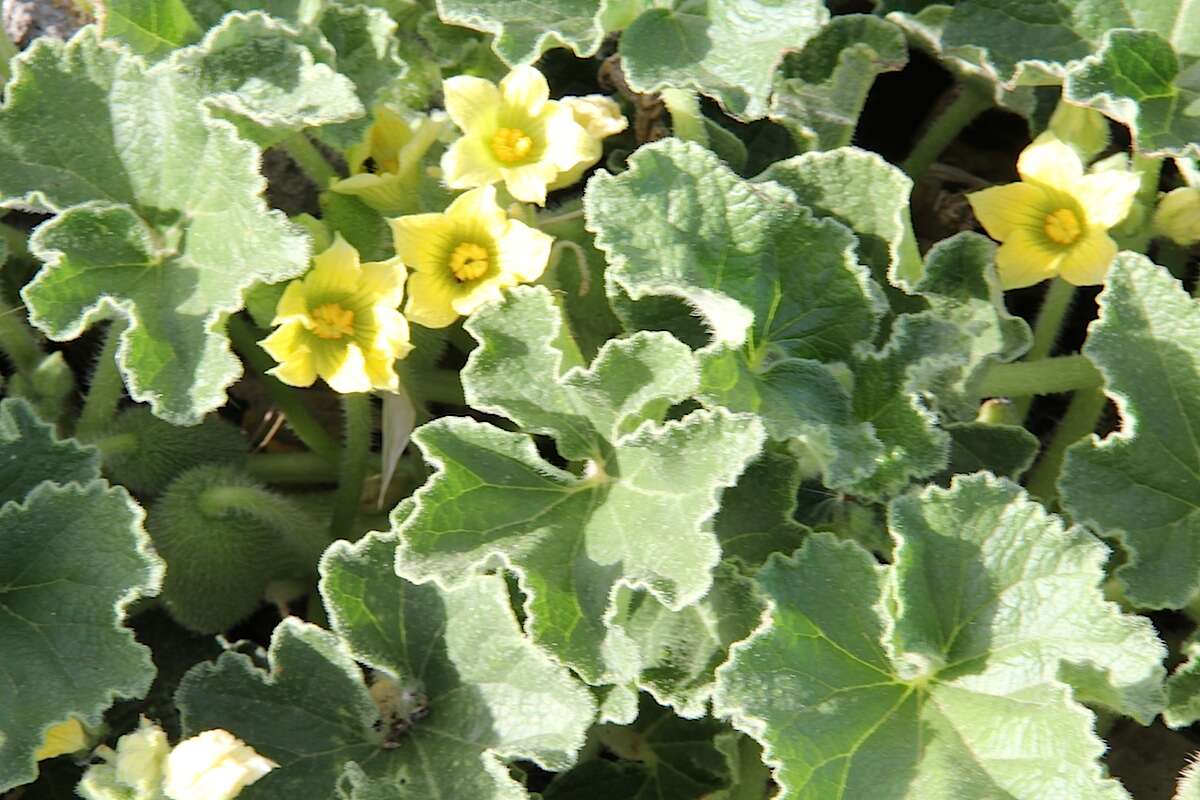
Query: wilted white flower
[(214, 765)]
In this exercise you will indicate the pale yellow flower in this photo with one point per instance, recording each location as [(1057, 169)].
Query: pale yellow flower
[(134, 770), (1178, 216), (340, 322), (65, 737), (512, 133), (395, 149), (1055, 221), (600, 117), (464, 257), (214, 765)]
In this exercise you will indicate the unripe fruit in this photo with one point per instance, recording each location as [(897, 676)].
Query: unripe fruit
[(144, 453)]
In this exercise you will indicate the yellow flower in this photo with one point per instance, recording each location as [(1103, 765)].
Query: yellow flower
[(512, 133), (65, 737), (600, 117), (1178, 216), (340, 322), (1055, 221), (215, 765), (396, 150), (462, 258)]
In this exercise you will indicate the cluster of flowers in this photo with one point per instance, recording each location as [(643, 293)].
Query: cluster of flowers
[(213, 765), (342, 321)]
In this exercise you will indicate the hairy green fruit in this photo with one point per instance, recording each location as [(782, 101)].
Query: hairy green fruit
[(146, 454), (225, 538)]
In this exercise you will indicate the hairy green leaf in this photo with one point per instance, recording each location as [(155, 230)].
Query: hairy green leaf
[(820, 91), (1142, 484), (454, 690), (524, 29), (73, 556), (949, 674), (151, 27), (161, 219), (726, 49), (637, 514), (1139, 79), (778, 289)]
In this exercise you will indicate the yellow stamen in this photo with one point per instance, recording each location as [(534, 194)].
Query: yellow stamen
[(511, 145), (468, 261), (331, 321), (1063, 226)]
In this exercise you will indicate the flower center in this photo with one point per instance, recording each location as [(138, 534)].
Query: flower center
[(331, 321), (468, 261), (1063, 226), (511, 145)]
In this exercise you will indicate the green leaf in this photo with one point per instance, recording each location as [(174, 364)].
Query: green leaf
[(578, 279), (661, 756), (757, 515), (961, 286), (467, 705), (1004, 450), (153, 244), (30, 454), (680, 650), (1183, 687), (942, 676), (1139, 79), (151, 27), (729, 51), (890, 388), (257, 72), (636, 517), (866, 194), (367, 44), (1189, 782), (72, 559), (820, 91), (1142, 484), (524, 30), (776, 287)]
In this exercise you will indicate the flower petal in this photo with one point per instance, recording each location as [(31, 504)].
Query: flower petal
[(1050, 162), (288, 345), (599, 114), (478, 208), (524, 251), (526, 88), (1025, 259), (420, 239), (481, 293), (292, 304), (470, 101), (335, 270), (528, 182), (567, 141), (382, 283), (429, 301), (342, 365), (1002, 209), (1107, 196), (1089, 258), (469, 163)]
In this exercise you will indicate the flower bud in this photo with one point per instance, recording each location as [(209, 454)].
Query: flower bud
[(1178, 216), (1085, 129)]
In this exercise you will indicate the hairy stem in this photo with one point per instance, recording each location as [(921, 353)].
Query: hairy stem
[(1079, 420), (309, 158), (1044, 376), (105, 388), (1055, 304), (687, 120), (305, 540), (17, 339), (291, 468), (353, 468), (245, 340), (971, 100)]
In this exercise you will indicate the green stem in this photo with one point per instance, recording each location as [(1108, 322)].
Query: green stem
[(1055, 304), (1079, 420), (116, 444), (305, 540), (245, 340), (1044, 376), (105, 389), (16, 239), (7, 51), (971, 100), (687, 120), (309, 158), (17, 339), (353, 469), (291, 468)]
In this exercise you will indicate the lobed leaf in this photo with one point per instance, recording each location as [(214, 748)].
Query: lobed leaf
[(950, 673), (524, 30)]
